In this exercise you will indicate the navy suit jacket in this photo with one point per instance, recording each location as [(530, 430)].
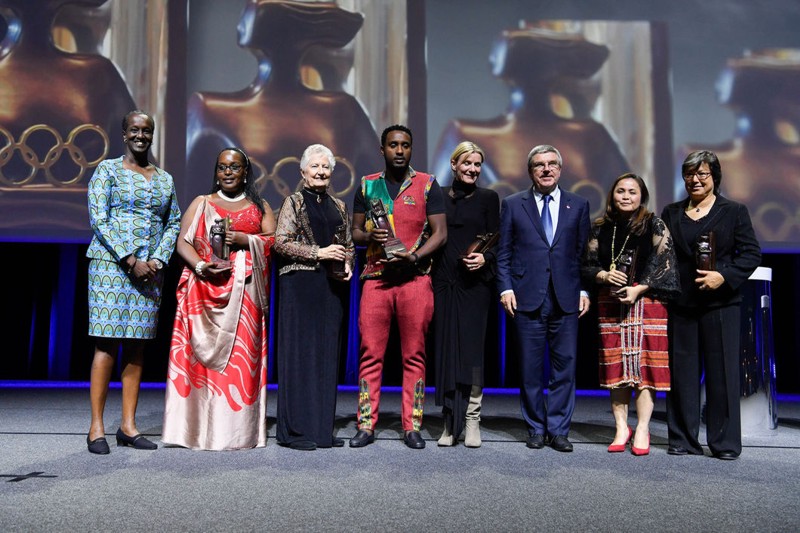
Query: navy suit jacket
[(526, 263)]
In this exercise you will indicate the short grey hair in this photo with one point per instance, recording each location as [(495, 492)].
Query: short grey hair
[(697, 158), (315, 149), (544, 149)]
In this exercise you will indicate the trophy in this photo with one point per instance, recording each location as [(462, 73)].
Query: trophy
[(220, 251), (482, 244), (336, 269), (626, 263), (380, 219), (705, 253)]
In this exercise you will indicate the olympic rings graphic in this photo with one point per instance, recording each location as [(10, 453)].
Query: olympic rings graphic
[(587, 186), (52, 156), (503, 188), (590, 189), (766, 216), (272, 179)]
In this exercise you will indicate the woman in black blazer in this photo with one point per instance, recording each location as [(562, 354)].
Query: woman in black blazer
[(717, 250)]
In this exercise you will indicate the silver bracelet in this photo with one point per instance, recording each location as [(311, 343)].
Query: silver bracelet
[(198, 268)]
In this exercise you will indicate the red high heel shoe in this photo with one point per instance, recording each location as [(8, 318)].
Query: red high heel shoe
[(641, 451), (617, 448)]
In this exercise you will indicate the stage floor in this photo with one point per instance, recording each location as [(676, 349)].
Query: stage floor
[(48, 481)]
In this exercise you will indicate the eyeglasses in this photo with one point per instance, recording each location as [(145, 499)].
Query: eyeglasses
[(545, 164), (702, 176), (236, 167)]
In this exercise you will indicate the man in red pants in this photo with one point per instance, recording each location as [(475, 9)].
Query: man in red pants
[(399, 287)]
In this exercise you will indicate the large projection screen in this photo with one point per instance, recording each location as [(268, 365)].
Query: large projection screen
[(621, 86)]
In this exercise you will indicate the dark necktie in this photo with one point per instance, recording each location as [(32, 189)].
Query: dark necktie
[(547, 222)]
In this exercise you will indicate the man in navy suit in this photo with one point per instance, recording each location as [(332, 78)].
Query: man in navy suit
[(543, 232)]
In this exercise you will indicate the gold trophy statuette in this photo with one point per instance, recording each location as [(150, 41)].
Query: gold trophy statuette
[(221, 252), (337, 268), (379, 217), (705, 254), (482, 244), (626, 263)]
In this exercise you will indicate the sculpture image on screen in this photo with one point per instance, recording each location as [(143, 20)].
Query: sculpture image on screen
[(60, 116), (760, 163), (277, 116), (542, 64), (81, 27)]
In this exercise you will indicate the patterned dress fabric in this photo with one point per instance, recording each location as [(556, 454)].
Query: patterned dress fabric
[(216, 395), (634, 344), (129, 214), (633, 338)]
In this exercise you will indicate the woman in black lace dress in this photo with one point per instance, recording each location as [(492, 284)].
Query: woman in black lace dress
[(631, 260)]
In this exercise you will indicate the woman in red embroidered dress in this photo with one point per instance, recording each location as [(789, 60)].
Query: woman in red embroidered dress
[(630, 258), (216, 380)]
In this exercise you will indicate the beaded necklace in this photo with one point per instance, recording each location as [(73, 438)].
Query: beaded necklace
[(614, 258)]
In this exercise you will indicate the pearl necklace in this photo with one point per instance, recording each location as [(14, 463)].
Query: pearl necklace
[(613, 242), (234, 199)]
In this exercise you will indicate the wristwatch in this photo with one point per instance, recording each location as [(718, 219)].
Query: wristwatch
[(159, 263)]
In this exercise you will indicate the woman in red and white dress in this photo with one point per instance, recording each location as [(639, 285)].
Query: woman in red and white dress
[(216, 381)]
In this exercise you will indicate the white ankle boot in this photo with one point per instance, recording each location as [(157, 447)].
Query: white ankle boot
[(472, 436), (446, 439)]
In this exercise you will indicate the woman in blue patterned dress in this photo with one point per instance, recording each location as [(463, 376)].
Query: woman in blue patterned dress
[(135, 218)]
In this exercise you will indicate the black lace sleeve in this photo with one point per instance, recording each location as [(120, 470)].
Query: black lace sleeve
[(661, 269), (590, 265)]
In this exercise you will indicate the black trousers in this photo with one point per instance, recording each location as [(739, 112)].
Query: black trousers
[(705, 340)]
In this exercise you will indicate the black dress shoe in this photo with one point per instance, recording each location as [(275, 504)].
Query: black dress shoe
[(674, 449), (677, 450), (414, 440), (561, 443), (140, 442), (98, 446), (362, 438), (337, 442), (535, 442), (727, 456)]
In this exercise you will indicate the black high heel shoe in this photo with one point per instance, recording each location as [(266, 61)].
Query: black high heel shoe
[(98, 446), (140, 442)]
